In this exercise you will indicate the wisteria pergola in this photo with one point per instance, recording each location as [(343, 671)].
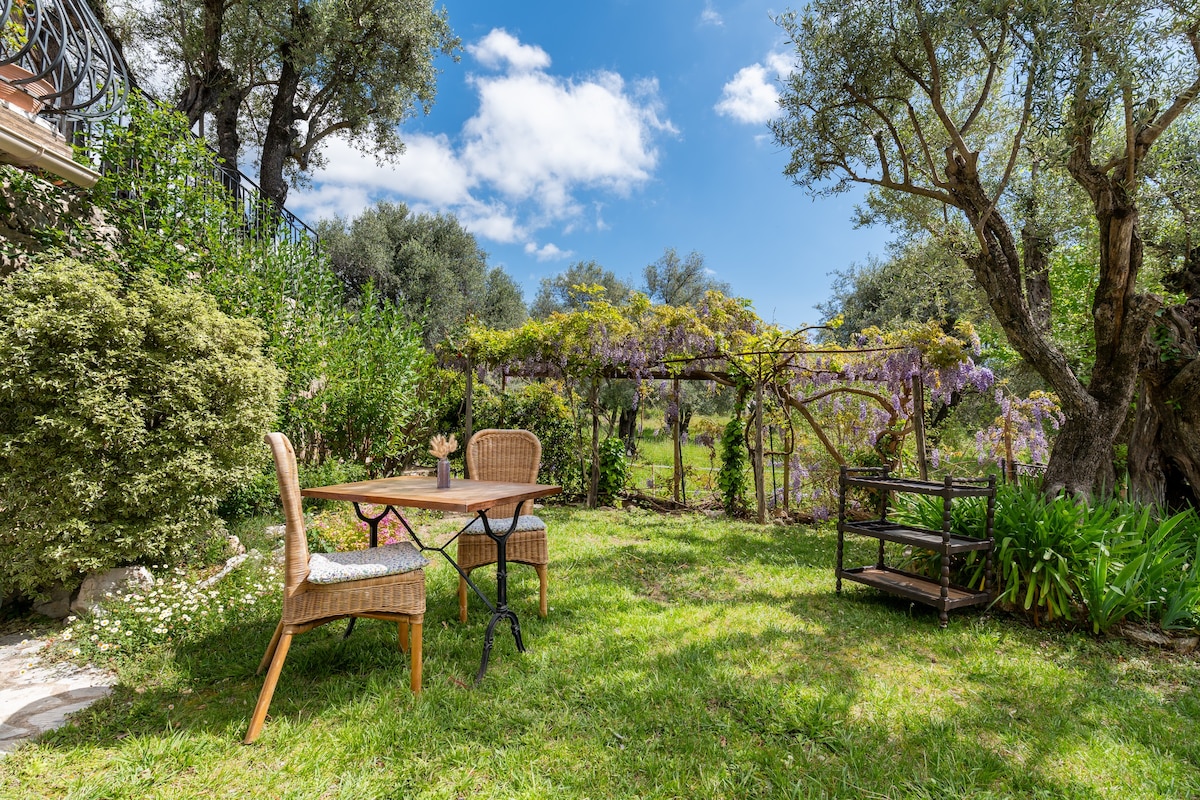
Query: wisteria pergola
[(722, 341)]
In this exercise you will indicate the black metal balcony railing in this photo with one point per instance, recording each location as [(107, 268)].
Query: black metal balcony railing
[(68, 62), (57, 52)]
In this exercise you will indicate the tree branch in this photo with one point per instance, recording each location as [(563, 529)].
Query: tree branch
[(993, 57), (1147, 135)]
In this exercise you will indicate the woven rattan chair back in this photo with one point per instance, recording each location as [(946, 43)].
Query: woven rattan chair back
[(295, 542), (512, 456), (399, 598)]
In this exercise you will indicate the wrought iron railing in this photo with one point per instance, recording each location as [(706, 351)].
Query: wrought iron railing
[(261, 213), (57, 51)]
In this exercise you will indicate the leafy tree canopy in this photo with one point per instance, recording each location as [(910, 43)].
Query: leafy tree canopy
[(429, 261), (564, 292), (985, 116), (917, 283), (681, 282), (288, 75)]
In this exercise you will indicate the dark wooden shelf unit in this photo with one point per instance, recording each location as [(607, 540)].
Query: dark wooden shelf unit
[(941, 594)]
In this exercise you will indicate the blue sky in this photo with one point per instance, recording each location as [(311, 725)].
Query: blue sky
[(609, 131)]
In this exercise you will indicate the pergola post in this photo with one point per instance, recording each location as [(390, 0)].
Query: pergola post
[(469, 399), (760, 488), (918, 388), (677, 445)]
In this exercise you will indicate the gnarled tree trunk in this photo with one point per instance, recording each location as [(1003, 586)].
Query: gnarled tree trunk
[(1164, 446)]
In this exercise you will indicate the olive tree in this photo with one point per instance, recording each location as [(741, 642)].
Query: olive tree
[(428, 262), (960, 103), (292, 74)]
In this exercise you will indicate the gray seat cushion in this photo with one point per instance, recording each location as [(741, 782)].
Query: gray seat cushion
[(355, 565), (526, 522)]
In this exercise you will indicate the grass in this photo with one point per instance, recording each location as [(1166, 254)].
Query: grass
[(655, 462), (683, 657)]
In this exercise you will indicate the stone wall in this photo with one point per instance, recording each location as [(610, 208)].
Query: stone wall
[(37, 215)]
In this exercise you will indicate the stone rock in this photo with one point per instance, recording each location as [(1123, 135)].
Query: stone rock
[(233, 563), (1180, 643), (97, 585), (58, 606)]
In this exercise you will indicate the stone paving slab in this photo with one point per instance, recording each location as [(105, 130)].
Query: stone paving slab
[(38, 696)]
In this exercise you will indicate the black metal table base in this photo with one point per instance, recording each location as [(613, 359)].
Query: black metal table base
[(499, 609)]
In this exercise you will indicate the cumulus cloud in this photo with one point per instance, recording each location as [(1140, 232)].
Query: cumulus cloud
[(495, 221), (540, 137), (500, 48), (427, 174), (751, 96), (535, 143), (548, 252)]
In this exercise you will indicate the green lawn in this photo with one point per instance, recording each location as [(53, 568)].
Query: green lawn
[(655, 461), (683, 657)]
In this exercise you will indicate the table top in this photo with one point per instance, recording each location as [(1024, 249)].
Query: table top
[(464, 496)]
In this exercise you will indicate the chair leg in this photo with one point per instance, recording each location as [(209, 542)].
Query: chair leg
[(267, 656), (462, 597), (404, 634), (415, 657), (268, 689), (542, 581)]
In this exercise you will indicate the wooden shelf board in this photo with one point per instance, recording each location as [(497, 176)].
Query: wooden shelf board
[(917, 537), (961, 488), (914, 587)]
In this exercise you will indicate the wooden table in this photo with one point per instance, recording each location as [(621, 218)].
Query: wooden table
[(463, 496)]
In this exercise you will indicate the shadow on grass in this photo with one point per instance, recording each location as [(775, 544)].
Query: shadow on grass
[(684, 659)]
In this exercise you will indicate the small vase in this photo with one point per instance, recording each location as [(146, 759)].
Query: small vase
[(443, 480)]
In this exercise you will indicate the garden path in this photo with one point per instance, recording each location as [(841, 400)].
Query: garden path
[(38, 696)]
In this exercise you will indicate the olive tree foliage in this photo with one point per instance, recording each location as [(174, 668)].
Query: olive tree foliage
[(956, 104), (919, 281), (567, 291), (126, 412), (428, 262), (674, 281), (292, 73)]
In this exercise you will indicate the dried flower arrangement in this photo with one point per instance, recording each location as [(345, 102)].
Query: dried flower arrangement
[(441, 447)]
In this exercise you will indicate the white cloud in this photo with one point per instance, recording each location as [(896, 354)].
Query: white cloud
[(548, 252), (751, 96), (540, 137), (710, 16), (536, 142), (427, 173), (500, 47), (326, 200), (493, 221)]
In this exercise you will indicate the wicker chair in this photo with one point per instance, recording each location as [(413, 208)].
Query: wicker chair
[(382, 583), (513, 456)]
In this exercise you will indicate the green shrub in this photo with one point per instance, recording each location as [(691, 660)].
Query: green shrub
[(1141, 569), (362, 402), (614, 469), (540, 408), (732, 475), (257, 495), (126, 413), (1053, 557)]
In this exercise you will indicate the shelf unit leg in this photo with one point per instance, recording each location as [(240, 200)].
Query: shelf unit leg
[(841, 544)]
